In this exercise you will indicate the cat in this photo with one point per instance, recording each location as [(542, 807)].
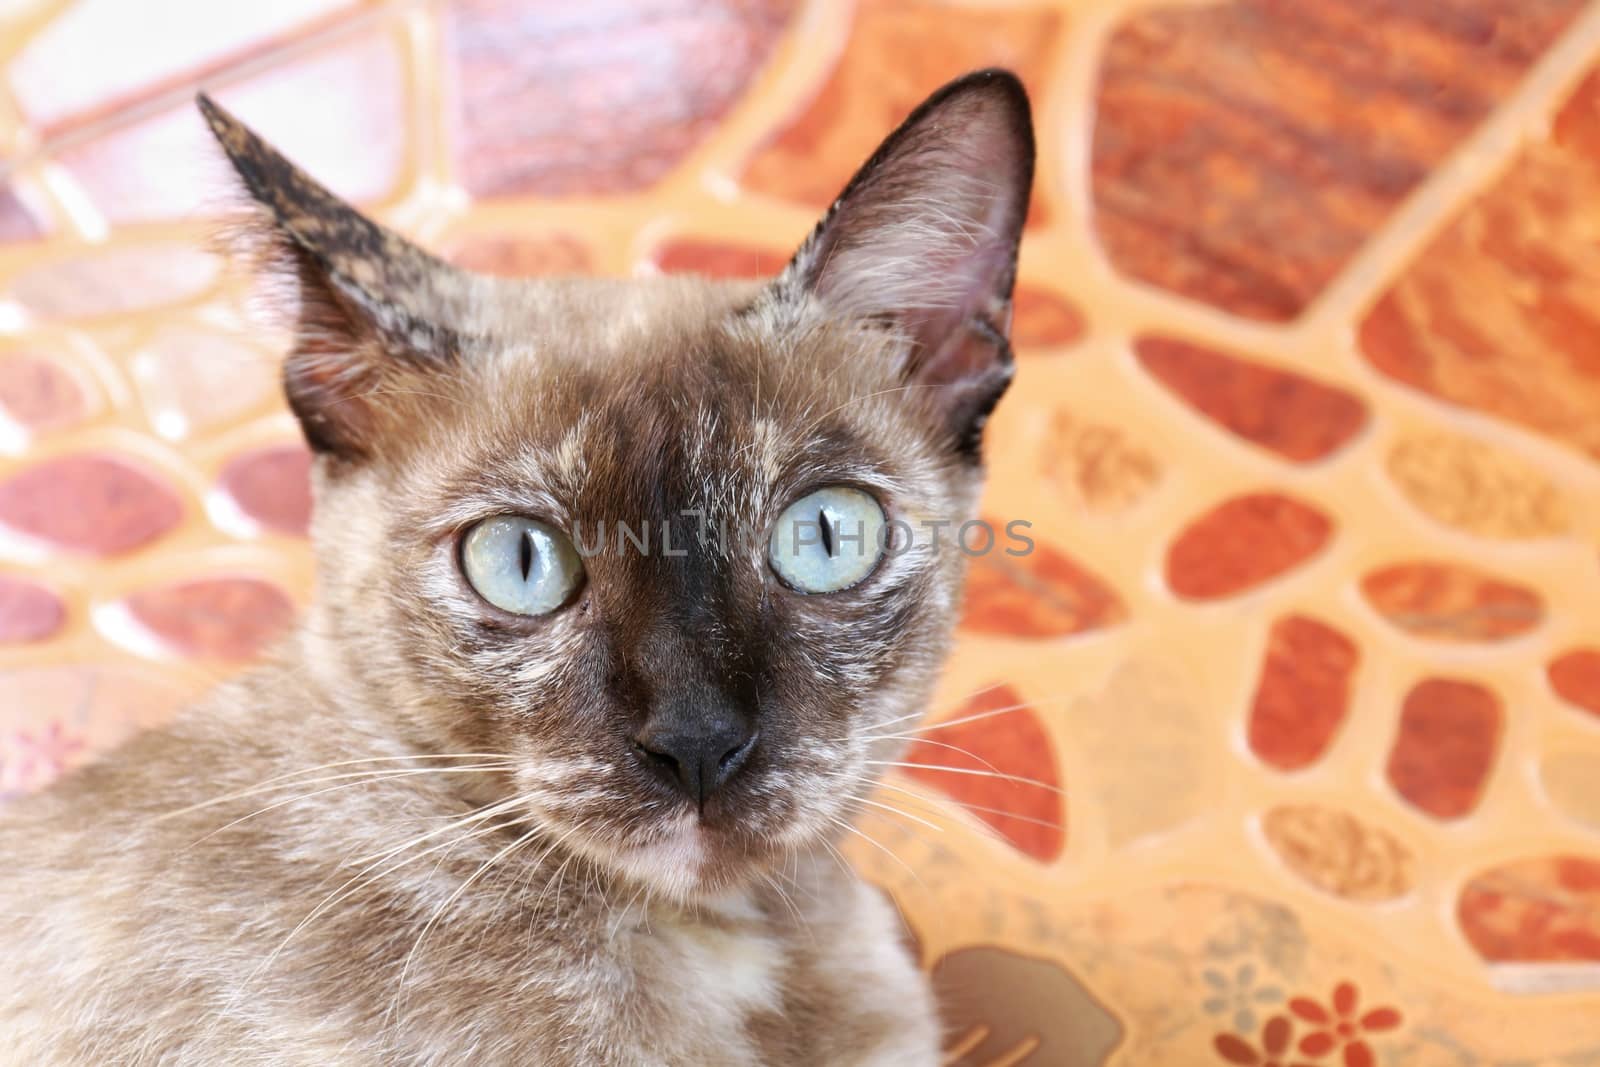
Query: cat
[(514, 793)]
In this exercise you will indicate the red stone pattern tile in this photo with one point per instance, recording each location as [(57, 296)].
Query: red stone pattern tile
[(1449, 602), (96, 504), (1242, 543), (1304, 692), (593, 115), (1575, 676), (523, 257), (1042, 318), (1244, 151), (312, 109), (1042, 593), (1338, 853), (114, 280), (272, 486), (1543, 910), (1300, 419), (28, 611), (1449, 735), (39, 393), (1498, 313), (17, 223), (720, 259), (899, 51), (214, 618), (1025, 807), (100, 55)]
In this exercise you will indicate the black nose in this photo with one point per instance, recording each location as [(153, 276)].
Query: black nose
[(698, 754)]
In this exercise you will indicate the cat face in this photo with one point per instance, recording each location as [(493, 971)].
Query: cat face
[(681, 549)]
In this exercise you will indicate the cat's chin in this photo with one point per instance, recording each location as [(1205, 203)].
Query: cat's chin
[(686, 859)]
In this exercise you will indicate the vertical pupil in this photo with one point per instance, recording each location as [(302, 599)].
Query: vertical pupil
[(827, 531), (525, 553)]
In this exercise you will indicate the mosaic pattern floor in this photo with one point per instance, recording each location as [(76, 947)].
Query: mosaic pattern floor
[(1307, 423)]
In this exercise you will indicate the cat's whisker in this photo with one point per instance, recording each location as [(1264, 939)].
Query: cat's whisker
[(456, 822), (365, 778), (942, 805), (904, 814), (366, 877), (920, 712), (1017, 778), (483, 868), (296, 777), (942, 724), (910, 738), (880, 846)]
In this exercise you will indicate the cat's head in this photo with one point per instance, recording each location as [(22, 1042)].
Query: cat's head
[(492, 454)]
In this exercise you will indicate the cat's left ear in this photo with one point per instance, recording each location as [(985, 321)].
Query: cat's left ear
[(372, 312), (924, 239)]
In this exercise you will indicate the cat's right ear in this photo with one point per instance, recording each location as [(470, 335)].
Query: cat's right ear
[(923, 242), (370, 309)]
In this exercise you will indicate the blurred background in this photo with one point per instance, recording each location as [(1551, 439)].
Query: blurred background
[(1306, 423)]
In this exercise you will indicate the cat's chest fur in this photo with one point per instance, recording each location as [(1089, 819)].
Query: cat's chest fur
[(273, 949)]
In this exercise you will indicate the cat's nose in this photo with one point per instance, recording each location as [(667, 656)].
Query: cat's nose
[(699, 755)]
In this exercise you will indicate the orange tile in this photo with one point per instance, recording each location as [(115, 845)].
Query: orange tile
[(1243, 152)]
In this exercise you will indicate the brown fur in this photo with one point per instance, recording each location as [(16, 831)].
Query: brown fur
[(500, 879)]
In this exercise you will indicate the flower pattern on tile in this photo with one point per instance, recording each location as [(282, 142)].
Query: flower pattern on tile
[(1244, 152), (228, 618), (1342, 1025), (995, 1004), (1575, 676), (98, 504), (1299, 419), (1041, 594), (39, 393), (1095, 465), (1472, 486), (879, 79), (1496, 314), (1001, 766), (1303, 694), (1448, 738), (1273, 1050), (57, 717), (1243, 542), (589, 117), (272, 487), (1338, 853), (1451, 602), (113, 280), (1542, 910), (28, 611), (1238, 995)]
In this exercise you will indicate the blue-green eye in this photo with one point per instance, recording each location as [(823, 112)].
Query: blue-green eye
[(827, 540), (520, 565)]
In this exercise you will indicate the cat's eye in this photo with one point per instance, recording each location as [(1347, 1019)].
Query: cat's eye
[(520, 565), (827, 540)]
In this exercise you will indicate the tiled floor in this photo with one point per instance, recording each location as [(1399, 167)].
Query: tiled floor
[(1308, 424)]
